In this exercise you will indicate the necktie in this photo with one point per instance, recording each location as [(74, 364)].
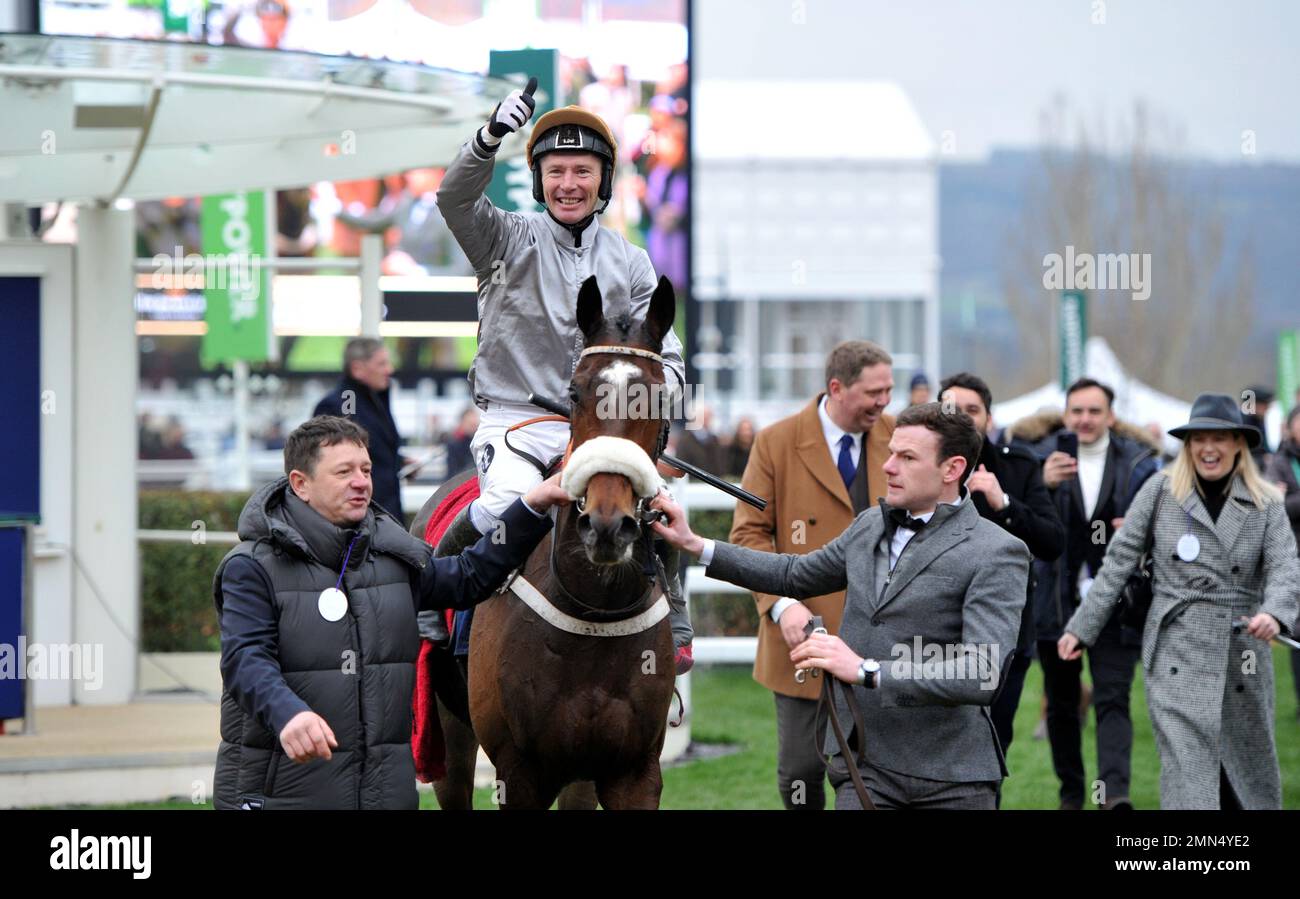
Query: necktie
[(847, 469)]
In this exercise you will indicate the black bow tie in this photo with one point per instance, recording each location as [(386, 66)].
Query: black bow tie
[(901, 519)]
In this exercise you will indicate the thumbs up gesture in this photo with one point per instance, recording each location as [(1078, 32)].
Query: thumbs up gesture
[(513, 112)]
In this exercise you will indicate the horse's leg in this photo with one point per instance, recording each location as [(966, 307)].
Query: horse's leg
[(456, 790), (637, 789), (579, 795), (520, 786)]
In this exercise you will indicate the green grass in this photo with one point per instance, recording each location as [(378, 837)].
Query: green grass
[(1033, 784), (731, 708)]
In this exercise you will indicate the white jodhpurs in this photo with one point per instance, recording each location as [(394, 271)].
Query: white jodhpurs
[(503, 475)]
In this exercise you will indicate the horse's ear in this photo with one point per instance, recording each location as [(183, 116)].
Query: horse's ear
[(663, 308), (590, 308)]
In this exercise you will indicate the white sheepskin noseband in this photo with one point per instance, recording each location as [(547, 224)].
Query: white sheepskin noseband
[(610, 455)]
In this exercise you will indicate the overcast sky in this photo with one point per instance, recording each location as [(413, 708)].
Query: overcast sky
[(984, 69)]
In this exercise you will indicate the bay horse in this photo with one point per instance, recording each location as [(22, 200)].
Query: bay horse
[(570, 673)]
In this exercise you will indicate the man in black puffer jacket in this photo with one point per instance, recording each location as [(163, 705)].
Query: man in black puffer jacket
[(318, 631)]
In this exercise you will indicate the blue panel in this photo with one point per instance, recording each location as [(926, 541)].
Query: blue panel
[(11, 619), (20, 400)]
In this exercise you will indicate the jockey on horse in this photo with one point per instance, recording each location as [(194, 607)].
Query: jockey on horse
[(530, 266)]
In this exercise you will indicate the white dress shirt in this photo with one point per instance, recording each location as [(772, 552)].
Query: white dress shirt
[(1092, 468), (833, 432), (903, 535)]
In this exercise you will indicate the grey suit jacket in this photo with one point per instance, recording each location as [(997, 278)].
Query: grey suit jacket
[(942, 626)]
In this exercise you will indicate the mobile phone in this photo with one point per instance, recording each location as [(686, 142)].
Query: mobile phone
[(1068, 442)]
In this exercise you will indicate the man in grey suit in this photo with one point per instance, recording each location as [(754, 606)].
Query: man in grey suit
[(932, 613)]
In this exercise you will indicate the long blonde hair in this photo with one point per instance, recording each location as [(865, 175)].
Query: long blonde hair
[(1182, 475)]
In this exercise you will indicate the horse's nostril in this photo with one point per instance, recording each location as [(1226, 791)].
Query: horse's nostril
[(617, 529)]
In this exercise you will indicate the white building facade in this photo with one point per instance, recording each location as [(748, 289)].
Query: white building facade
[(815, 221)]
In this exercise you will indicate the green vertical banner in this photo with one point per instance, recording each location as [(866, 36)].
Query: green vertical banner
[(176, 15), (1288, 367), (1074, 334), (235, 285), (512, 182)]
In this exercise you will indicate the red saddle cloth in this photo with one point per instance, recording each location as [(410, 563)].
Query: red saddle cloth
[(427, 744)]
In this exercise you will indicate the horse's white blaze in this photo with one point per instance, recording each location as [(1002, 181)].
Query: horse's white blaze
[(619, 372)]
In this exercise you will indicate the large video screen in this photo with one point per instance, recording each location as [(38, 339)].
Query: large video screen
[(624, 59)]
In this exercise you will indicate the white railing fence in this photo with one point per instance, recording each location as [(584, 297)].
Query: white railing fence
[(692, 495)]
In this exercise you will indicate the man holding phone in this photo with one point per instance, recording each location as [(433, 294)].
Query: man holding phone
[(1093, 474)]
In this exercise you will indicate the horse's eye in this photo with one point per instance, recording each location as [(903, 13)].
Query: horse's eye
[(574, 396)]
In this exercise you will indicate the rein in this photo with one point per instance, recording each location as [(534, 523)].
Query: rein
[(537, 463), (852, 760)]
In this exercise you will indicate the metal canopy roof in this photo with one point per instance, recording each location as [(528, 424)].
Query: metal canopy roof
[(99, 118)]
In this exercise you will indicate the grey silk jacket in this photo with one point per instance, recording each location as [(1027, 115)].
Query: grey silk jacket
[(529, 269)]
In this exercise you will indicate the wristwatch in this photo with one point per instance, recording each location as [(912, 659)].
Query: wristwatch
[(868, 672)]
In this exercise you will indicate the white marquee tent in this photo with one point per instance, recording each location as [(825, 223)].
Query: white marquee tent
[(1135, 402)]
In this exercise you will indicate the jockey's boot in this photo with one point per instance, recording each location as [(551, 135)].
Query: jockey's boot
[(679, 617), (459, 536)]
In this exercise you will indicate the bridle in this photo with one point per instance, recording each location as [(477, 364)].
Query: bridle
[(644, 515), (545, 469)]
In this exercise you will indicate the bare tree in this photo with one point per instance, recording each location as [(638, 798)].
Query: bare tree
[(1128, 194)]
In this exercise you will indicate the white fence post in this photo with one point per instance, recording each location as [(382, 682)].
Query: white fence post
[(695, 495)]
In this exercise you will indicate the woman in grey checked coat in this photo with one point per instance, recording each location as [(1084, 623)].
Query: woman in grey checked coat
[(1223, 553)]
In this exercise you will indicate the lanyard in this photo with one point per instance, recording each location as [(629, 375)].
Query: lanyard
[(338, 585), (332, 603)]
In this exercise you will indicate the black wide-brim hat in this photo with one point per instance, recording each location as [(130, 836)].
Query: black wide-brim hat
[(1217, 412)]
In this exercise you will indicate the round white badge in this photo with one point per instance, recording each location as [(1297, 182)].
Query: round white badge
[(332, 604), (1188, 547)]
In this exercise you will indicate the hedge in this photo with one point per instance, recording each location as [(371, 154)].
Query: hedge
[(177, 613), (724, 614)]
